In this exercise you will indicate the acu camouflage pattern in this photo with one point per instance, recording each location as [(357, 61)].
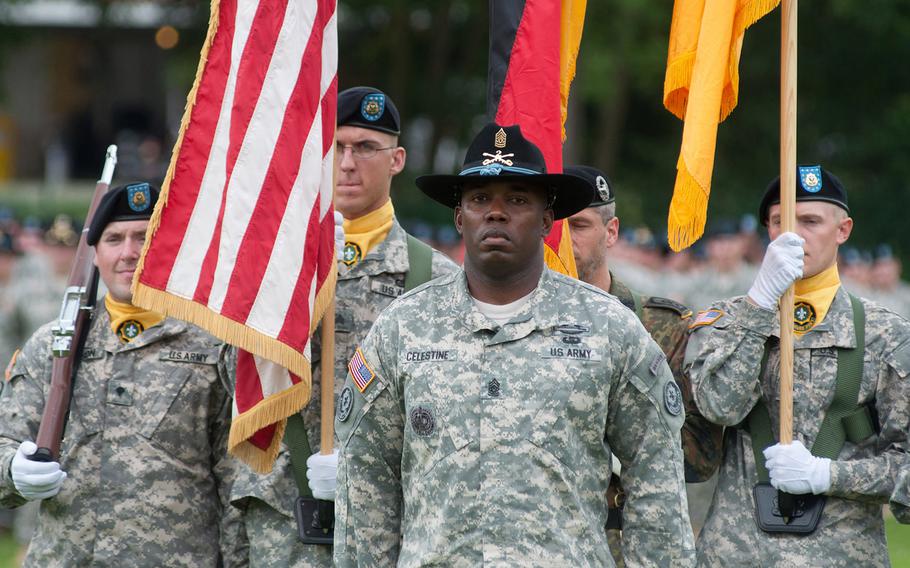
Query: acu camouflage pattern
[(514, 466), (723, 360), (362, 292), (668, 324), (144, 450), (900, 499)]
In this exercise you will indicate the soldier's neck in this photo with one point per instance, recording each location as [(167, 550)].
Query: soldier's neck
[(503, 286)]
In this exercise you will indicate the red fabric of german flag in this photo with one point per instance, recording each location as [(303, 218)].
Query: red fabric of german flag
[(533, 46)]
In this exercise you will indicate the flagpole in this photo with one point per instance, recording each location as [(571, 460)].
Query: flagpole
[(327, 382), (787, 204)]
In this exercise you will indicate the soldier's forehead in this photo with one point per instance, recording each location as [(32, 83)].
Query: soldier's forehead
[(124, 227)]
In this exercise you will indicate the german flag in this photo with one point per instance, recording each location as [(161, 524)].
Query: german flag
[(533, 48)]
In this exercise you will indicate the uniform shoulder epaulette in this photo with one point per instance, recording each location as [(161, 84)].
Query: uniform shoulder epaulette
[(668, 304)]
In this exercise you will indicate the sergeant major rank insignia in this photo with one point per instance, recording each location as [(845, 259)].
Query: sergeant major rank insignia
[(372, 107), (351, 254), (138, 197)]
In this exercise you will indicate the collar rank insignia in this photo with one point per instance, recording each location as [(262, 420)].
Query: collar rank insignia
[(810, 177), (138, 197), (804, 316), (372, 107), (129, 330), (706, 317), (351, 254), (360, 371)]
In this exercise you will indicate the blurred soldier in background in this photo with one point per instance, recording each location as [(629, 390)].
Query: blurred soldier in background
[(594, 231)]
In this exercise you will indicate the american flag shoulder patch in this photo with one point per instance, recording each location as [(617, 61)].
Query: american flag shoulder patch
[(360, 371), (706, 317)]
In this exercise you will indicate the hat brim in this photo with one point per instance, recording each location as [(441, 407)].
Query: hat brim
[(572, 193)]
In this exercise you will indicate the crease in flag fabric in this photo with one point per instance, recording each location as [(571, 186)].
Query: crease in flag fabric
[(241, 242), (701, 87)]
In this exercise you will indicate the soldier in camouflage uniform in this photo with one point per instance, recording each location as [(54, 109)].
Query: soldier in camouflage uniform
[(368, 281), (480, 414), (143, 477), (900, 499), (595, 230), (724, 359)]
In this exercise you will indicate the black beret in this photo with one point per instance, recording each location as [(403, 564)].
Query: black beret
[(601, 188), (723, 227), (367, 107), (130, 202), (813, 183)]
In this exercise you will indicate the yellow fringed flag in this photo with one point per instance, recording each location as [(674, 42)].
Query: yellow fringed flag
[(701, 87)]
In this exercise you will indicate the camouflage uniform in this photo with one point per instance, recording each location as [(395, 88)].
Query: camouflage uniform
[(668, 324), (363, 291), (723, 361), (479, 444), (900, 499), (144, 449)]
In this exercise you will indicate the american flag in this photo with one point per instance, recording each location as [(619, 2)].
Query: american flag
[(360, 371), (241, 242)]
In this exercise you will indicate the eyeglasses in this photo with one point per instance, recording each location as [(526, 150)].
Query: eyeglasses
[(360, 150)]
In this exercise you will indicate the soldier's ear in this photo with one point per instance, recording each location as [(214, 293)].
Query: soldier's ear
[(547, 221), (458, 223)]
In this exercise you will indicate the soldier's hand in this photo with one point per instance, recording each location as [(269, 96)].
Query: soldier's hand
[(33, 479), (339, 235), (781, 267), (794, 469), (321, 471)]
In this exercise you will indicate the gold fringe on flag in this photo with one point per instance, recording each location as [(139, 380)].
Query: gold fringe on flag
[(273, 410), (688, 210)]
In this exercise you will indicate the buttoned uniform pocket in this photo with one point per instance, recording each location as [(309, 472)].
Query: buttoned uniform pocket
[(179, 411)]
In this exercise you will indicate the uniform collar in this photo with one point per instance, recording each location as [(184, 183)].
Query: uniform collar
[(837, 329), (389, 256), (101, 333), (622, 292), (538, 313)]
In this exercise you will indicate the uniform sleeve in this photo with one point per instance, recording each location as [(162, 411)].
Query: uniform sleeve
[(873, 479), (370, 430), (21, 406), (644, 419), (233, 544), (900, 498), (723, 360), (702, 440)]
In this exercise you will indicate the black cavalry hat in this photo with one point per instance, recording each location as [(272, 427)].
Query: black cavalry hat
[(368, 107), (130, 202), (813, 183), (601, 188), (502, 153)]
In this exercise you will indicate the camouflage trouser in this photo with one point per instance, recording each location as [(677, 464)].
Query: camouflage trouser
[(274, 543)]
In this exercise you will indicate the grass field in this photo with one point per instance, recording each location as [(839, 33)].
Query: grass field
[(898, 544)]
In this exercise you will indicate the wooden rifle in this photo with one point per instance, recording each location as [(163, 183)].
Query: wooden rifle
[(71, 327)]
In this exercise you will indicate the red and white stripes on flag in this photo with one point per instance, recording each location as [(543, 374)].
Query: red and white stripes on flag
[(241, 242)]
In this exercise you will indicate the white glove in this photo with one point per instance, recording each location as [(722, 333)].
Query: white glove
[(339, 235), (781, 267), (321, 471), (35, 480), (795, 470)]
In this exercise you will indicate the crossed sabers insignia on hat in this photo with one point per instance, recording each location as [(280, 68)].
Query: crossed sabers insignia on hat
[(498, 157)]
